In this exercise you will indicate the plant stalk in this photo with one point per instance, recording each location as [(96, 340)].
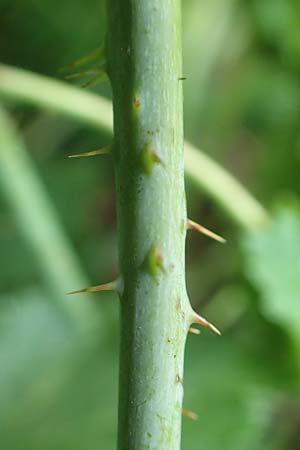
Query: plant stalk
[(144, 65), (23, 86)]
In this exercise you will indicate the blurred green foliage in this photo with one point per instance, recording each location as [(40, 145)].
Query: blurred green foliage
[(58, 389)]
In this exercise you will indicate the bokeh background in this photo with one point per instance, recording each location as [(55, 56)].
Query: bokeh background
[(59, 355)]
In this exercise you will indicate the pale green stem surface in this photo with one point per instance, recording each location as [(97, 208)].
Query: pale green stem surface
[(40, 225), (90, 109), (144, 65)]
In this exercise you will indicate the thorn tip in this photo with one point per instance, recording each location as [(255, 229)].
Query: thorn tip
[(101, 151), (97, 54), (205, 323), (189, 414), (191, 225), (101, 287)]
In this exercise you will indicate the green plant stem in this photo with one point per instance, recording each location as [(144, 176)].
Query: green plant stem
[(53, 95), (40, 224), (226, 190), (144, 64), (59, 97)]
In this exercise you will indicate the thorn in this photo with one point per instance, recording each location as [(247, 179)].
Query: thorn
[(181, 78), (191, 225), (178, 379), (194, 330), (73, 76), (101, 287), (98, 53), (190, 414), (102, 76), (199, 319), (154, 262), (101, 151), (148, 158), (136, 102)]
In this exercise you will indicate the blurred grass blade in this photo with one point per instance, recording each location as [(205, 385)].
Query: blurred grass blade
[(39, 223), (228, 192), (272, 257), (95, 111), (95, 55), (57, 96)]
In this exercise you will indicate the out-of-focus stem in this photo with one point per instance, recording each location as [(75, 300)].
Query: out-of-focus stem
[(22, 86)]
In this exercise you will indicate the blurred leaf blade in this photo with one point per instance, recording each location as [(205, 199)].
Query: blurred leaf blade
[(96, 111), (273, 265), (39, 222)]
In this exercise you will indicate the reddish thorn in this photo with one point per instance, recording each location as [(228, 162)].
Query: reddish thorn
[(199, 319), (194, 330), (189, 414), (102, 287), (191, 225), (101, 151)]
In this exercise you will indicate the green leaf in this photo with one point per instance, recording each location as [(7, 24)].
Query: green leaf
[(227, 393), (273, 265), (57, 388)]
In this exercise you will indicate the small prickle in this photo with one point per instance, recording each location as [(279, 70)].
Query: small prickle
[(149, 158), (191, 225), (194, 330), (202, 321), (101, 151), (101, 287), (189, 414), (153, 262)]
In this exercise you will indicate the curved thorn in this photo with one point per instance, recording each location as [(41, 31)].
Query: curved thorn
[(190, 414), (101, 151), (202, 321), (194, 330), (101, 287), (191, 225)]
